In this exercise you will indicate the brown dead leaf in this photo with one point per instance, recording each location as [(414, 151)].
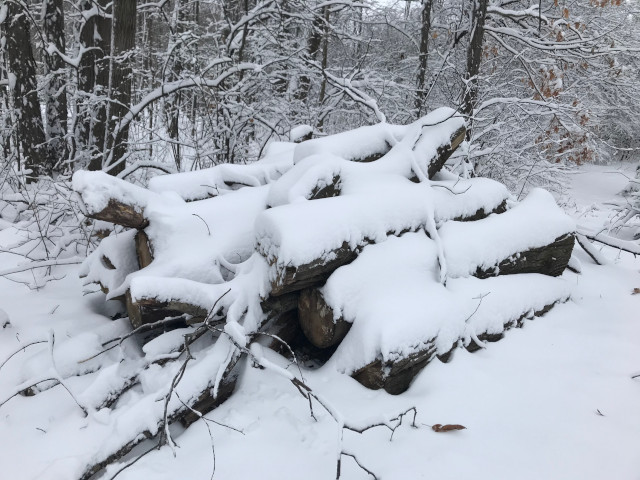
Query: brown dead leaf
[(446, 428), (636, 291)]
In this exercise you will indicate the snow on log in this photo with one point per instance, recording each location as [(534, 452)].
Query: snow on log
[(112, 200), (149, 310), (208, 379), (432, 139), (305, 241), (144, 310), (109, 265), (207, 401), (202, 242), (402, 316), (322, 172), (364, 144), (535, 236), (221, 179)]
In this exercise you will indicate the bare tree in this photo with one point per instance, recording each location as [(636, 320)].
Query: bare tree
[(21, 73), (425, 32), (55, 92)]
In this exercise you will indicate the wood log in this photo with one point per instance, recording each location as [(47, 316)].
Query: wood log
[(107, 198), (436, 163), (143, 249), (290, 279), (317, 319), (331, 190), (206, 401), (395, 377), (324, 329), (482, 213), (122, 214), (374, 156), (150, 310), (549, 260), (186, 416)]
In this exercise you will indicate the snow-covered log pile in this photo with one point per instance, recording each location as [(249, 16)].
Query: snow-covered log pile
[(360, 240)]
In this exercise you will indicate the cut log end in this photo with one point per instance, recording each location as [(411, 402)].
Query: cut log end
[(317, 320), (121, 214), (144, 251)]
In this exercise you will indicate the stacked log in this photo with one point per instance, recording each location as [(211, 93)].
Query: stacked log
[(296, 297)]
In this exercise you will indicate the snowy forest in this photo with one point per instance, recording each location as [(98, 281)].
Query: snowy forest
[(319, 239)]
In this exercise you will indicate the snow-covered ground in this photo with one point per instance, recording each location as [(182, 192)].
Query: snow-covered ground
[(554, 400)]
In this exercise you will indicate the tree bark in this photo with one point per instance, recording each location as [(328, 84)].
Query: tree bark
[(474, 58), (124, 33), (313, 47), (436, 163), (425, 32), (395, 377), (21, 71), (56, 92), (549, 260), (93, 80)]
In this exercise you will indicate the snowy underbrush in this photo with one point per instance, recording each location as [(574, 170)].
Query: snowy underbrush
[(49, 226)]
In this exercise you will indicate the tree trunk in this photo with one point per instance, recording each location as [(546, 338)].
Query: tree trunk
[(21, 71), (124, 36), (313, 47), (93, 79), (474, 57), (173, 104), (56, 92), (425, 32), (323, 66)]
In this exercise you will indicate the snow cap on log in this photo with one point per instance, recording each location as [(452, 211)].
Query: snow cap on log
[(314, 233), (477, 248), (433, 136), (398, 308), (110, 263), (210, 182), (306, 240), (107, 198)]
